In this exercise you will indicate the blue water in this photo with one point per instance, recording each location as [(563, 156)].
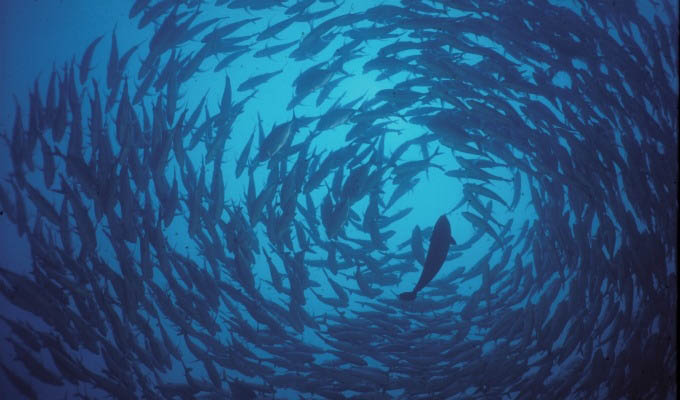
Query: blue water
[(565, 288)]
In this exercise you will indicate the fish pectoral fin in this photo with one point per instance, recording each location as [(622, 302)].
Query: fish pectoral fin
[(408, 296)]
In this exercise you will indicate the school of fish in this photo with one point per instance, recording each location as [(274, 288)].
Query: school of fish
[(576, 301)]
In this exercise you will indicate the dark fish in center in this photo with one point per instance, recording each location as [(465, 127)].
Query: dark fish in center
[(440, 241)]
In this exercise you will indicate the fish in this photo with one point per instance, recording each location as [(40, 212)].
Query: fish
[(253, 82), (269, 51), (242, 161), (440, 240), (87, 59), (276, 139)]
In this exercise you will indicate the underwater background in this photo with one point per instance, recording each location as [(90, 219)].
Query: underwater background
[(235, 199)]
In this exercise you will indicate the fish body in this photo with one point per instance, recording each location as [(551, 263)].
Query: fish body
[(440, 241)]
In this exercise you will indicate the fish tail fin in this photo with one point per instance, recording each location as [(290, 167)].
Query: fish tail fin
[(408, 296)]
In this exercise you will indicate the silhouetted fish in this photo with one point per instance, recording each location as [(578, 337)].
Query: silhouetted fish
[(440, 241)]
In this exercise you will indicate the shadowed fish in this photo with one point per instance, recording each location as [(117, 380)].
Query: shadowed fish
[(440, 241), (87, 58), (257, 80)]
